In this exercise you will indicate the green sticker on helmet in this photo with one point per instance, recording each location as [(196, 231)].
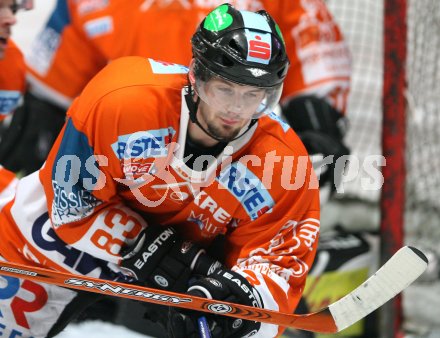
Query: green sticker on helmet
[(218, 19), (277, 28)]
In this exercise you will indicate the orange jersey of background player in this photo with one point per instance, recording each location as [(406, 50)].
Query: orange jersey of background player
[(82, 36), (119, 164), (12, 79)]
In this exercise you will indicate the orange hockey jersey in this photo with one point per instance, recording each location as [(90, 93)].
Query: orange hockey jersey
[(81, 36), (12, 79), (118, 165)]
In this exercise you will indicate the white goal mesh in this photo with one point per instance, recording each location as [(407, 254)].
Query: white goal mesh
[(423, 123), (362, 24)]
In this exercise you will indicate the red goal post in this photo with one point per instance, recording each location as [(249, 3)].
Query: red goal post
[(392, 202)]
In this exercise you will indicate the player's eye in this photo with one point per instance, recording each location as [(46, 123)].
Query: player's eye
[(14, 7)]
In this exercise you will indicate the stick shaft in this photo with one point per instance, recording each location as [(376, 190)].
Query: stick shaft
[(145, 294), (321, 322)]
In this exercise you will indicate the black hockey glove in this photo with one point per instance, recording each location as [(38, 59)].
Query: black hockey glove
[(27, 141), (161, 259), (321, 128), (224, 285)]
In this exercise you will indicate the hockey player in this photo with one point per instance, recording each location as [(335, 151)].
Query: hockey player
[(154, 162), (13, 69), (12, 76), (82, 36)]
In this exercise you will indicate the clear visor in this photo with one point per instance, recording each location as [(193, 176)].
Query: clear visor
[(241, 100)]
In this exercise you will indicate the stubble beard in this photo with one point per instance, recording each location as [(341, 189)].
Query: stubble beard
[(225, 133), (219, 130)]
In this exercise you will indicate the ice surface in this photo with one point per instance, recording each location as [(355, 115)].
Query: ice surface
[(98, 329)]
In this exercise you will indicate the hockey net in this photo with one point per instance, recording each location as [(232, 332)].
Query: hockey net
[(362, 23)]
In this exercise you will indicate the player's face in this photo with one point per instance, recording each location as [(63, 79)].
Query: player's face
[(227, 107), (7, 19)]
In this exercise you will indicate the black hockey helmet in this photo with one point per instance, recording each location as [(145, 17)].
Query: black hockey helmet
[(240, 46)]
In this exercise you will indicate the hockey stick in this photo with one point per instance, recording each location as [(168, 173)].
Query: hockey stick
[(393, 277)]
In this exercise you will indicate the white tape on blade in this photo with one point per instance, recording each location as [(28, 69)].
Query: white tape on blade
[(395, 275)]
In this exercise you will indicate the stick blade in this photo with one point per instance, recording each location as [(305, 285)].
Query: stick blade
[(403, 268)]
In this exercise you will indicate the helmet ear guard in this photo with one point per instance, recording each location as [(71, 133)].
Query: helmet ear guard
[(191, 75), (198, 71), (191, 101)]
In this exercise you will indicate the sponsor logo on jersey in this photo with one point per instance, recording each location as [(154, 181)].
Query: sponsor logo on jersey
[(322, 54), (9, 100), (138, 169), (89, 6), (210, 224), (69, 206), (143, 144), (247, 189), (204, 223), (44, 238), (75, 176), (46, 44), (206, 202), (43, 50), (161, 67), (21, 302), (98, 27)]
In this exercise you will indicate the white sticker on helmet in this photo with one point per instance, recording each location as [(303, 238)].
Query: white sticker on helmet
[(253, 20)]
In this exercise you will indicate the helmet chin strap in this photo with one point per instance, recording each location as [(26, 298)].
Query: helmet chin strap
[(194, 106)]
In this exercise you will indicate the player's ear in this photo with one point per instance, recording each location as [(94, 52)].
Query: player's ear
[(191, 76)]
